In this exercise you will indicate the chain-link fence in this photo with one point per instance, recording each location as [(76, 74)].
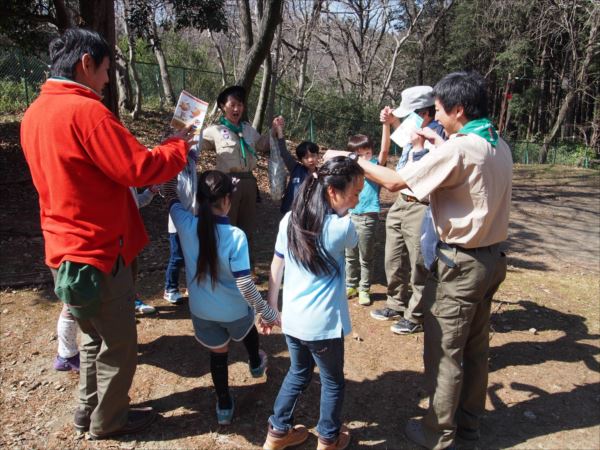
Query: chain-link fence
[(330, 124)]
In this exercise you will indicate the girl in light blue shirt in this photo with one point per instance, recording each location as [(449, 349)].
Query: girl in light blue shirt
[(310, 248), (223, 297)]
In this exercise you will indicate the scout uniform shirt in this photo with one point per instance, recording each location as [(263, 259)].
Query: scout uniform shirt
[(226, 143), (469, 183)]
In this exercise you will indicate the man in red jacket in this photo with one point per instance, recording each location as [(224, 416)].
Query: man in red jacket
[(83, 161)]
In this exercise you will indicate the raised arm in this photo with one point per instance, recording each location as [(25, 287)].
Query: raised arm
[(123, 159), (383, 176), (384, 151)]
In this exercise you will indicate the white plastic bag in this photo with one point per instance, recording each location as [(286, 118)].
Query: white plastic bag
[(277, 170)]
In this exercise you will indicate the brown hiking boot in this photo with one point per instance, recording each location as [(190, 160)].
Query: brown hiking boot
[(342, 441), (277, 440)]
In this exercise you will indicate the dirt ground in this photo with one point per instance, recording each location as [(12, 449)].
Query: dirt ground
[(544, 384)]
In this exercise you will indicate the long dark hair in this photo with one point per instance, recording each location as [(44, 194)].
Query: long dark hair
[(311, 205), (213, 186)]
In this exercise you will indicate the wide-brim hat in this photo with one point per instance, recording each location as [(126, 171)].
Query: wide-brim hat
[(413, 99)]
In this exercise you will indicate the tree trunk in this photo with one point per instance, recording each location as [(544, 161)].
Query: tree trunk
[(504, 107), (162, 65), (274, 78), (133, 73), (262, 44), (220, 58), (123, 84), (64, 19), (99, 15), (261, 107)]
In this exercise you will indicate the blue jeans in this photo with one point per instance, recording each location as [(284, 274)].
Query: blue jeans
[(175, 263), (328, 355)]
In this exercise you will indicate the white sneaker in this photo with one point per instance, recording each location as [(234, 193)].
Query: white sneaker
[(143, 308), (173, 297)]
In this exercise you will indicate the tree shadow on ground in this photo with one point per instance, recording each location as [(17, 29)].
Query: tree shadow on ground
[(544, 414), (567, 348)]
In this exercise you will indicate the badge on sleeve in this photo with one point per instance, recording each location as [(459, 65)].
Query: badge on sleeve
[(225, 134)]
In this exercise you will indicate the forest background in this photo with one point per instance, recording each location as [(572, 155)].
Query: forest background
[(329, 66)]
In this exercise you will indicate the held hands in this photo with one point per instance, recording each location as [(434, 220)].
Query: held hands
[(267, 327), (278, 126), (430, 135), (386, 116)]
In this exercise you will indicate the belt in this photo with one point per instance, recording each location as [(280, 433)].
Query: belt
[(474, 249), (411, 199), (368, 214)]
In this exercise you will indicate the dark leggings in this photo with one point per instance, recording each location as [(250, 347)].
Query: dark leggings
[(219, 367)]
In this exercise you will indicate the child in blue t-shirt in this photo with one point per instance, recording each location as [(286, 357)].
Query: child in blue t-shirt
[(310, 246), (222, 295), (365, 217)]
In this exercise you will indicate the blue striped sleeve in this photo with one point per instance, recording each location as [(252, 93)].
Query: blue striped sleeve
[(241, 273)]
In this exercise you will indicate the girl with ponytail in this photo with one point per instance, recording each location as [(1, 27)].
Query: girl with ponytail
[(223, 297), (310, 247)]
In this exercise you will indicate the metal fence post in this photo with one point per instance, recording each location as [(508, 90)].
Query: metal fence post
[(24, 76), (312, 131)]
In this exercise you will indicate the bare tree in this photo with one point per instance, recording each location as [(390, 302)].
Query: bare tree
[(575, 77), (261, 44)]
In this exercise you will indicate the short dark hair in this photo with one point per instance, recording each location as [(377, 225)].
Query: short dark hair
[(67, 50), (467, 89), (305, 147), (237, 92), (359, 141)]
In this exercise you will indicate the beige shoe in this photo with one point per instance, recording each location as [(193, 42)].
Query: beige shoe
[(342, 441), (295, 436)]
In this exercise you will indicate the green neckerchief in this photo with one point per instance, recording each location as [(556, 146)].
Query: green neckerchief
[(238, 129), (483, 128)]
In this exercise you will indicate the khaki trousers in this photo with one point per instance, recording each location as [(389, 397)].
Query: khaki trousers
[(456, 326), (108, 353), (243, 208), (359, 260), (404, 267)]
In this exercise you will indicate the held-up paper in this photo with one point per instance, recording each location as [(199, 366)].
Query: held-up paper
[(189, 110)]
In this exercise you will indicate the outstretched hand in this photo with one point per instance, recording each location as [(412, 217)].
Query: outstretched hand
[(187, 134), (278, 126)]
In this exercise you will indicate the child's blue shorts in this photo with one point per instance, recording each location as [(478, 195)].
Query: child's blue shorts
[(213, 334)]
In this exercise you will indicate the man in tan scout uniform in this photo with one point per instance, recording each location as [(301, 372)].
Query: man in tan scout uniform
[(236, 144), (468, 179)]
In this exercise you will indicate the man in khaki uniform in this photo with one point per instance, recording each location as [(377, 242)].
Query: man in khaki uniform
[(468, 180), (237, 144), (404, 267)]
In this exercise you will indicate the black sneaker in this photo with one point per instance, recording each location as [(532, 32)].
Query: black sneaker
[(137, 420), (405, 326), (81, 420), (385, 314)]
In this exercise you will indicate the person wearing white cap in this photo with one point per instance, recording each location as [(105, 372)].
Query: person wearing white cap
[(404, 267)]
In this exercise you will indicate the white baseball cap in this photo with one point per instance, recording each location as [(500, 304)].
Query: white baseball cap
[(414, 98)]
